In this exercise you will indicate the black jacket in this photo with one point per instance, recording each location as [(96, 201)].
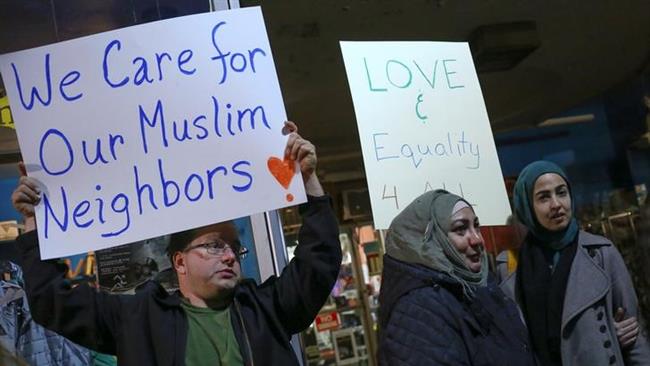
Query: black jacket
[(425, 319), (150, 327)]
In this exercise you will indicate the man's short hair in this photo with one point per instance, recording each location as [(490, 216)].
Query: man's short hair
[(181, 240)]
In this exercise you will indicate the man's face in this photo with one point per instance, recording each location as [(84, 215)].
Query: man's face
[(209, 275)]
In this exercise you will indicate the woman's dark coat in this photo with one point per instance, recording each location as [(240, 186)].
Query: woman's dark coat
[(425, 319)]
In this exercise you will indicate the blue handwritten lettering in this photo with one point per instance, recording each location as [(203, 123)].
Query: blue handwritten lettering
[(115, 43), (477, 154), (183, 58), (238, 61), (142, 73), (159, 59), (34, 92), (377, 148), (79, 211), (100, 203), (63, 224), (69, 79), (407, 152), (188, 182), (204, 130), (89, 212), (166, 184), (158, 114), (184, 135), (139, 189), (98, 153), (123, 200), (215, 105), (416, 153), (112, 139), (242, 113), (249, 177), (211, 173), (221, 56), (42, 154)]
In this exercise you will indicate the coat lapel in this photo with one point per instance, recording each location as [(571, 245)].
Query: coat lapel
[(587, 284)]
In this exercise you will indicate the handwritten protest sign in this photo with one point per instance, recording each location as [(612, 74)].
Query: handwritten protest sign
[(152, 129), (423, 125)]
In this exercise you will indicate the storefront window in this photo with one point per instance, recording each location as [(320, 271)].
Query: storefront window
[(345, 330)]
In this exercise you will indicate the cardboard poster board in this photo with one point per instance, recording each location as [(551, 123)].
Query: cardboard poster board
[(423, 125), (151, 129)]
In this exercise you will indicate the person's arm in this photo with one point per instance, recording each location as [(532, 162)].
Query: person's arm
[(624, 296), (81, 314), (306, 282)]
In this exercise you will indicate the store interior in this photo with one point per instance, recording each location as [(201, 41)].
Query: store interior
[(565, 82)]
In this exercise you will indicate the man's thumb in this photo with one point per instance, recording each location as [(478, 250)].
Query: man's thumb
[(22, 169)]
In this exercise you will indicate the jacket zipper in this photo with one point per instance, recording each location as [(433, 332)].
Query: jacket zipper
[(243, 327)]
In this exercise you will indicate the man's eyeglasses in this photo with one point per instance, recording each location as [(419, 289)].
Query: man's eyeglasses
[(219, 248)]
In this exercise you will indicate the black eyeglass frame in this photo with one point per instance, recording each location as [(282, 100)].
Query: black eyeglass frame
[(221, 246)]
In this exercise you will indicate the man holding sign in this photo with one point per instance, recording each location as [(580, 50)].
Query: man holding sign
[(215, 318)]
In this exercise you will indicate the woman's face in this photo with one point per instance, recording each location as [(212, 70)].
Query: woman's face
[(552, 202), (465, 234)]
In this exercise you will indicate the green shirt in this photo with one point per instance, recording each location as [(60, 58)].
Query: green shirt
[(210, 337)]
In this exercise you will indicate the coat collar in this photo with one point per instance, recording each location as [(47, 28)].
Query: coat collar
[(588, 281)]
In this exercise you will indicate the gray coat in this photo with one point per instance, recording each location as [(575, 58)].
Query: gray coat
[(598, 284)]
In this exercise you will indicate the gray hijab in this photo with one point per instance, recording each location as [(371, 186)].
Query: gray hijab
[(418, 235)]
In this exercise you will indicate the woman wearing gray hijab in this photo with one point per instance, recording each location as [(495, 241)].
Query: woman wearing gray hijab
[(437, 304)]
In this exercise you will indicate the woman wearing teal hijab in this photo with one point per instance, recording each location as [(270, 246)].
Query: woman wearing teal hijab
[(569, 284)]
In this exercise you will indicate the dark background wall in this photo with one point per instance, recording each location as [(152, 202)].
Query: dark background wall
[(599, 156)]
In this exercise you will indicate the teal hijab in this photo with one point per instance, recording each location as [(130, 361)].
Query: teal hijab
[(418, 235), (523, 199)]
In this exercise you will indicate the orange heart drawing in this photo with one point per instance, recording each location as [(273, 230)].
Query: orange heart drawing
[(282, 170)]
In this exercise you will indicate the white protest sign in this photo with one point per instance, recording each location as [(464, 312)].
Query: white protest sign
[(151, 129), (423, 125)]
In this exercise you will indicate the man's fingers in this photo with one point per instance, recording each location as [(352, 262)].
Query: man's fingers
[(30, 183), (305, 150), (290, 142), (29, 188), (629, 338), (26, 197), (629, 327), (300, 143), (289, 127), (632, 333), (627, 322)]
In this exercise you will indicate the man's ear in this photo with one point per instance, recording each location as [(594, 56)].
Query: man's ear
[(179, 263)]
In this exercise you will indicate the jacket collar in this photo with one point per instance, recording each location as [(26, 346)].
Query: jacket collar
[(588, 281), (173, 299), (160, 294)]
